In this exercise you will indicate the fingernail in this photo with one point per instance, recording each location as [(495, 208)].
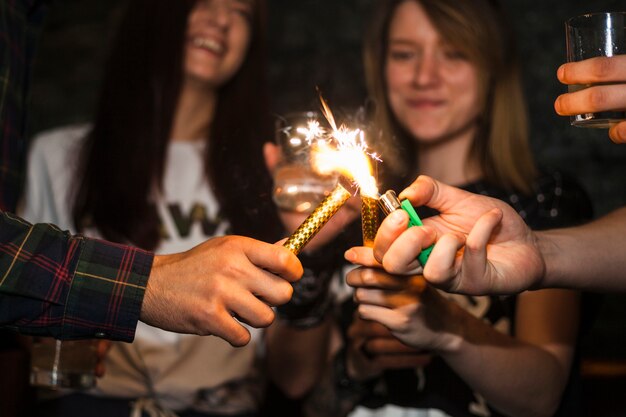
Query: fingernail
[(350, 255), (560, 73), (397, 217), (557, 105)]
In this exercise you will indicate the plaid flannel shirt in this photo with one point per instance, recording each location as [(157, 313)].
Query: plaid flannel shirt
[(64, 286), (53, 283)]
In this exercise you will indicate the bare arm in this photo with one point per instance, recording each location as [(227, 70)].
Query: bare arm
[(587, 257), (521, 376), (484, 247), (297, 357)]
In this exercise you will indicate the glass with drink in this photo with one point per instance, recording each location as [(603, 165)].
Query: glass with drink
[(297, 187), (595, 35), (63, 364)]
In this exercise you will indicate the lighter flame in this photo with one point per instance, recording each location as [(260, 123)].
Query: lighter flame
[(347, 154)]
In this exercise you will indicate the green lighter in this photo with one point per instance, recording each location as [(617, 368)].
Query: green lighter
[(389, 202)]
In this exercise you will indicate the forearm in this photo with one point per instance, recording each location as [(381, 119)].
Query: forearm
[(586, 257), (516, 378), (296, 357)]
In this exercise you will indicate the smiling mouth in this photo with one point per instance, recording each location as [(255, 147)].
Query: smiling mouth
[(425, 103), (208, 44)]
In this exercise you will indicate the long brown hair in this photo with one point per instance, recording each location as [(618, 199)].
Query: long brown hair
[(122, 162), (480, 30)]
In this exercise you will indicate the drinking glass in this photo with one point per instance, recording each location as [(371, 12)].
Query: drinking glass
[(297, 187), (63, 364), (594, 35)]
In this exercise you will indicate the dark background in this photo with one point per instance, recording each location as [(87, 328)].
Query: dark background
[(318, 43)]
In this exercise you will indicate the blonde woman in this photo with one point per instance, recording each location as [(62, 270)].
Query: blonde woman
[(449, 104)]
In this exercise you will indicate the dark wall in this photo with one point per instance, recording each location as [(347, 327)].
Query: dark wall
[(317, 43)]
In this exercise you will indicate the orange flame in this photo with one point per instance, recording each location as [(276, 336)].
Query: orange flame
[(347, 154)]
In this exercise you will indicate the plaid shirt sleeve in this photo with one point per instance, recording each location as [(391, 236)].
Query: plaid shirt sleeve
[(68, 287)]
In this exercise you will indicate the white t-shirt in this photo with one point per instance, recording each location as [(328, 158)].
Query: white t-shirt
[(180, 371)]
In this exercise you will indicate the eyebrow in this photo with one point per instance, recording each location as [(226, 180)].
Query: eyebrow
[(400, 42)]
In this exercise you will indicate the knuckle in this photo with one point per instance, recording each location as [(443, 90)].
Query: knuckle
[(266, 318), (597, 98), (602, 68), (368, 276), (240, 339), (284, 292)]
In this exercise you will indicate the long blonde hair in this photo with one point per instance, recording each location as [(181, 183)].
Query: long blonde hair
[(479, 29)]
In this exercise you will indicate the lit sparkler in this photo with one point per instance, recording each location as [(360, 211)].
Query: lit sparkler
[(344, 152)]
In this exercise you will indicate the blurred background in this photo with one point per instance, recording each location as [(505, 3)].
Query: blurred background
[(317, 43)]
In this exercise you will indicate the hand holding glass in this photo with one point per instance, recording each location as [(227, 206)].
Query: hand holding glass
[(595, 35)]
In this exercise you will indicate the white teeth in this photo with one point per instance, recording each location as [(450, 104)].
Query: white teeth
[(208, 44)]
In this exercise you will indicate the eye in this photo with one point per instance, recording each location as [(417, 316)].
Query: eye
[(242, 8), (401, 54), (454, 54)]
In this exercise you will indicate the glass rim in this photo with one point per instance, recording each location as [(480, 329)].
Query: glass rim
[(587, 16)]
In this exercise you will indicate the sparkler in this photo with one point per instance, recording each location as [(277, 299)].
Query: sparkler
[(318, 218), (344, 152), (369, 219)]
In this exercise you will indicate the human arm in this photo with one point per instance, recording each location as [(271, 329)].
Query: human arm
[(69, 287), (534, 365), (468, 228), (484, 247), (587, 257), (296, 357), (55, 284), (610, 71), (298, 342)]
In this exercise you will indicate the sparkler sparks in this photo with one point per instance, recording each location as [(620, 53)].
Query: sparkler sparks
[(343, 151)]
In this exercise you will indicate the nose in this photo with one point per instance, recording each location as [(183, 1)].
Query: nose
[(426, 71), (219, 12)]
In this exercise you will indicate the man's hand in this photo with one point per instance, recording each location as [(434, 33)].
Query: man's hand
[(482, 245), (610, 94), (210, 288)]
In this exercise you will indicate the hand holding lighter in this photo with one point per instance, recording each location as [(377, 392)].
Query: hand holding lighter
[(389, 202)]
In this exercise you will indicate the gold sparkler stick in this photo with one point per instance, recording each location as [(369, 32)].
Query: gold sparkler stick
[(318, 218), (369, 219)]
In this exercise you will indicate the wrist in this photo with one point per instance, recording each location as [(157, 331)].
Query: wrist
[(549, 248), (455, 322)]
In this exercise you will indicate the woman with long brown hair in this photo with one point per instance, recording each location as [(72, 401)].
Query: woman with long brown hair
[(173, 158)]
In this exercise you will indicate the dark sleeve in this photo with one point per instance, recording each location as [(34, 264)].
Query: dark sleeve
[(69, 287)]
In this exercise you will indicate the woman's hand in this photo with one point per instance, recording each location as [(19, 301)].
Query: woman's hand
[(412, 311), (372, 349)]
